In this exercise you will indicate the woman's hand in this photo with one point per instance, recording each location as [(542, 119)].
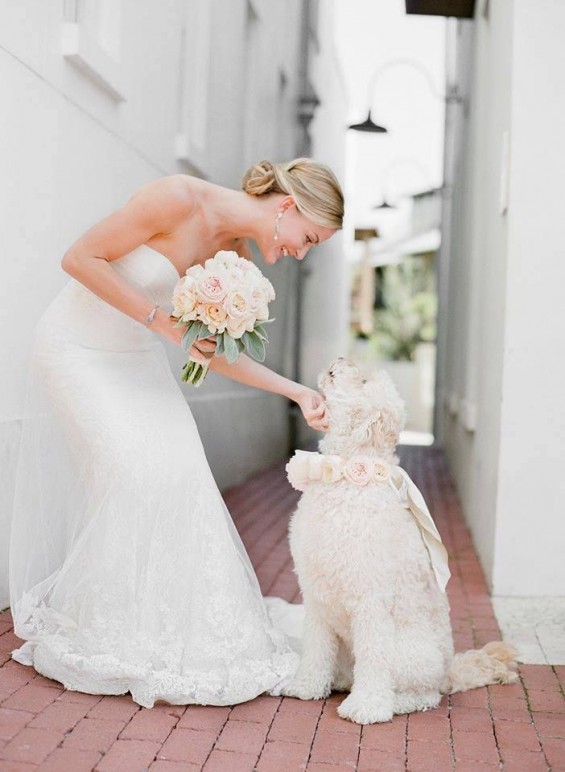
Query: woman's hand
[(313, 409), (203, 350)]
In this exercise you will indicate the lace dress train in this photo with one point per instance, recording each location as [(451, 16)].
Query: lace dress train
[(126, 571)]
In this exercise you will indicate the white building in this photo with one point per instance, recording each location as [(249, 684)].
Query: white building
[(100, 96), (501, 374)]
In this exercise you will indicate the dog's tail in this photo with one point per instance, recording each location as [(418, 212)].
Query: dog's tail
[(495, 663)]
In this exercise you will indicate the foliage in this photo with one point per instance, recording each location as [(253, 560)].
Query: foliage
[(407, 315), (405, 323)]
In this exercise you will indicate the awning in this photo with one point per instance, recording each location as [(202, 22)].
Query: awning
[(413, 244)]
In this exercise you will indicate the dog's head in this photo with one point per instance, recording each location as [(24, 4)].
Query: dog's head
[(366, 411)]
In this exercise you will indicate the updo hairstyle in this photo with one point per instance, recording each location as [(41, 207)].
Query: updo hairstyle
[(313, 186)]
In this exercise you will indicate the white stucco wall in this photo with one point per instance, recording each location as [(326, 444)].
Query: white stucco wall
[(471, 314), (500, 379), (530, 527), (70, 153)]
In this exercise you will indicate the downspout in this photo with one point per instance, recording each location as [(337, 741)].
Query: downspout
[(306, 103), (444, 256)]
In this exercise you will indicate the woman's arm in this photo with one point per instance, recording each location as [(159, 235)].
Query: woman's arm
[(156, 208), (247, 371)]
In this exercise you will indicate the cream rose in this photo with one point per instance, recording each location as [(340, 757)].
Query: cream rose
[(236, 327), (225, 259), (213, 288), (184, 296), (258, 299), (184, 304), (358, 470), (259, 305), (331, 469), (381, 472), (237, 305), (298, 470), (315, 468), (214, 315), (268, 289)]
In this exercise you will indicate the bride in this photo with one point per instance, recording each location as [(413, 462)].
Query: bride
[(126, 571)]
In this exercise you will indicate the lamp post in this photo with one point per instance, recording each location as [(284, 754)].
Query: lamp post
[(384, 205), (368, 125)]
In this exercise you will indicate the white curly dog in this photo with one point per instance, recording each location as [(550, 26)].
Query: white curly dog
[(372, 568)]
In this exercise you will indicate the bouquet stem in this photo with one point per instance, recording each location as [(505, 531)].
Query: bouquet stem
[(194, 372)]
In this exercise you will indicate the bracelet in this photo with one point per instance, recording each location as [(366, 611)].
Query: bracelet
[(150, 316)]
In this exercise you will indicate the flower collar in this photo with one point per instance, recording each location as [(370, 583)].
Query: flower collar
[(308, 467)]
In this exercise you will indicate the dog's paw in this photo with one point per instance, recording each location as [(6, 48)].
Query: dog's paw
[(506, 677), (304, 690), (366, 709), (410, 702)]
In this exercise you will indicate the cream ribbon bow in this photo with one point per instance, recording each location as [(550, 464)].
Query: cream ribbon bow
[(412, 499)]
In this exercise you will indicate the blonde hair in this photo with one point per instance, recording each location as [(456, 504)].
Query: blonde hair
[(313, 186)]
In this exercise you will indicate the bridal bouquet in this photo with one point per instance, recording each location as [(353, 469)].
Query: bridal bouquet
[(227, 297)]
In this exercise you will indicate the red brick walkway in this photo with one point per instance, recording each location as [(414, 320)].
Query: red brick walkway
[(516, 728)]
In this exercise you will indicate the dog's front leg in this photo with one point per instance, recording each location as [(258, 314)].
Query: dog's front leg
[(313, 679), (372, 695)]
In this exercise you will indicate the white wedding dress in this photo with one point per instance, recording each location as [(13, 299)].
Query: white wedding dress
[(126, 571)]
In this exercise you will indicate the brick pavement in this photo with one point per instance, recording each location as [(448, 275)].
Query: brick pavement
[(518, 728)]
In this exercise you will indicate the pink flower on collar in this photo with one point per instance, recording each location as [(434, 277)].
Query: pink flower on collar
[(358, 470), (381, 472)]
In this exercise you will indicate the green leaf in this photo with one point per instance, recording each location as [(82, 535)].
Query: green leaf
[(260, 330), (240, 345), (219, 345), (255, 346), (190, 335), (204, 332), (230, 348)]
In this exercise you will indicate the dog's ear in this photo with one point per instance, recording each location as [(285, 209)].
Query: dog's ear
[(388, 415), (386, 428)]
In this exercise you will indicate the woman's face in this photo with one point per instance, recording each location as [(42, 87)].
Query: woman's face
[(296, 234)]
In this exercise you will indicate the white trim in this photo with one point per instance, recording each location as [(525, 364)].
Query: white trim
[(88, 57)]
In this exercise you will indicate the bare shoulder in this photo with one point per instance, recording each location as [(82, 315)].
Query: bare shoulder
[(177, 194)]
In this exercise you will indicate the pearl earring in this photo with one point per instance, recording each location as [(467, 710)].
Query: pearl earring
[(277, 225)]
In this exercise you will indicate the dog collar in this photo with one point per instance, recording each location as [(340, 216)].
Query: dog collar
[(307, 467)]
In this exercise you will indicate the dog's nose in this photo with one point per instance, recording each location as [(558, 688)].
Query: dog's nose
[(332, 370)]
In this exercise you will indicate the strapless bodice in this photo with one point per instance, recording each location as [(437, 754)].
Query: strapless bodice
[(78, 316), (148, 270)]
